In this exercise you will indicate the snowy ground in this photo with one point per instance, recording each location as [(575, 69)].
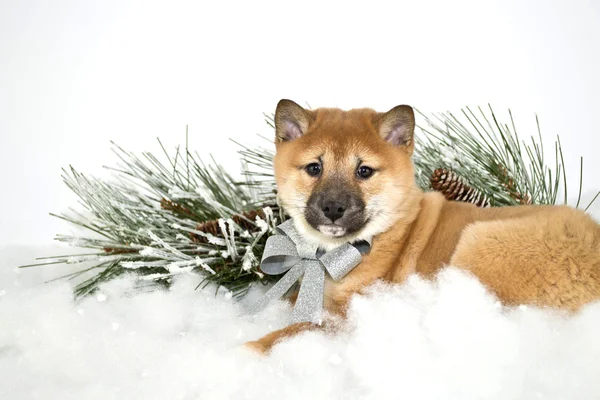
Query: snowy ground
[(447, 339)]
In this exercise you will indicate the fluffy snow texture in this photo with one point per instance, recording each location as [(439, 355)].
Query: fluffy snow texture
[(445, 339)]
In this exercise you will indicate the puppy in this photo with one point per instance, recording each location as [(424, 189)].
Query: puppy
[(345, 176)]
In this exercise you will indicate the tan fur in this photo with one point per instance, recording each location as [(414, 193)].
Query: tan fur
[(539, 255)]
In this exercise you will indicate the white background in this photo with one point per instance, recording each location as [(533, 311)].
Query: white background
[(76, 74)]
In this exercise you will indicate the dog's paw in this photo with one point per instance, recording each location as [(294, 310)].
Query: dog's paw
[(256, 347)]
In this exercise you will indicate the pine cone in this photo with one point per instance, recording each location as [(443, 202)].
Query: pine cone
[(509, 185), (176, 208), (212, 227), (453, 187)]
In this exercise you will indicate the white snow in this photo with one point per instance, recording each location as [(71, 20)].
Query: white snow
[(446, 339)]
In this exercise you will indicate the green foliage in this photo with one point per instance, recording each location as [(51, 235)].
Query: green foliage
[(146, 220), (491, 157), (159, 218)]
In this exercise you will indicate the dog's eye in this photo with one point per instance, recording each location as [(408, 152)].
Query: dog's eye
[(313, 169), (364, 172)]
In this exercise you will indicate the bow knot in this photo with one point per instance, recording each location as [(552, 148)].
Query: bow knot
[(287, 251)]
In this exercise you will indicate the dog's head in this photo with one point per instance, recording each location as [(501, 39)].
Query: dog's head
[(344, 175)]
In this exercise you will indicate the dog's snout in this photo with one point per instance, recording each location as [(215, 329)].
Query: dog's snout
[(329, 209), (333, 209)]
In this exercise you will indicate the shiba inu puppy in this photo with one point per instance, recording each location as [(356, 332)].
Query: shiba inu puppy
[(344, 176)]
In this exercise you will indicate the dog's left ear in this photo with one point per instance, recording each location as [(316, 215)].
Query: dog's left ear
[(397, 126), (291, 121)]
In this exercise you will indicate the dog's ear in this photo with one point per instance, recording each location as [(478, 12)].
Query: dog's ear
[(397, 126), (291, 121)]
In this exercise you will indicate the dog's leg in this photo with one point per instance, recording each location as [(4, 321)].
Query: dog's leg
[(266, 343), (535, 260), (330, 324)]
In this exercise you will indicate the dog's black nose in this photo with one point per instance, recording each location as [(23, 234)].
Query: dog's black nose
[(333, 209)]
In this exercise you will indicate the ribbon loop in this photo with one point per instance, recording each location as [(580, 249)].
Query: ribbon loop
[(279, 255), (341, 260)]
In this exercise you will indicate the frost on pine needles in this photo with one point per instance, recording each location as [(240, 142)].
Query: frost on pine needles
[(157, 218), (154, 219)]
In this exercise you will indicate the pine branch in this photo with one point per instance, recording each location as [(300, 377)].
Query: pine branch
[(157, 219), (151, 220), (491, 156)]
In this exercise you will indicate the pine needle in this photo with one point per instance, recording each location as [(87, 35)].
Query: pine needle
[(146, 221)]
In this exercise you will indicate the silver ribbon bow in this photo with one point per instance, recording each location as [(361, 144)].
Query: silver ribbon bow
[(287, 251)]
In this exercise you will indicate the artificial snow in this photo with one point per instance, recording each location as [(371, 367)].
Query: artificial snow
[(442, 339)]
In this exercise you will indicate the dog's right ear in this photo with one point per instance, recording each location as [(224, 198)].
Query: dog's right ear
[(397, 126), (291, 121)]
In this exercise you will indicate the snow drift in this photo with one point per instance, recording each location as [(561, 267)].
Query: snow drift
[(442, 339)]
